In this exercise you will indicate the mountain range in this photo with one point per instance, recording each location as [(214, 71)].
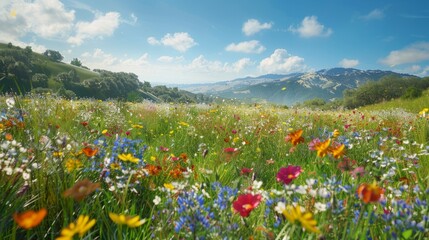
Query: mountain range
[(290, 89)]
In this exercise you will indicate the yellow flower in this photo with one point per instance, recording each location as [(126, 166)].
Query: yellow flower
[(339, 151), (130, 221), (136, 126), (169, 186), (293, 214), (58, 154), (185, 124), (104, 131), (73, 164), (128, 157), (322, 148), (152, 158), (336, 133), (81, 226), (114, 166)]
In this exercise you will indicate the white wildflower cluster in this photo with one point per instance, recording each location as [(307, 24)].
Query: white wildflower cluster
[(15, 160)]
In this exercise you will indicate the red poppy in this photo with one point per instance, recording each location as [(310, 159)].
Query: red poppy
[(289, 173), (295, 137), (246, 171), (246, 203), (230, 150), (369, 192), (90, 152)]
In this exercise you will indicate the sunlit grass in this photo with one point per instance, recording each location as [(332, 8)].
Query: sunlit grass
[(175, 171)]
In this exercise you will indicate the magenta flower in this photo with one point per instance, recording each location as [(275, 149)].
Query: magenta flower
[(289, 173)]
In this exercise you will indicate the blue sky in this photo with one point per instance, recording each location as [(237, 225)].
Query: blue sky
[(189, 41)]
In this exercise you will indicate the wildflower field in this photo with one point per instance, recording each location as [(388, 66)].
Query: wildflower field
[(113, 170)]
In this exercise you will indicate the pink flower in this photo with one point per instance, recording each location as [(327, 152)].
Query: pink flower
[(289, 173), (358, 171), (312, 145), (246, 203), (163, 149)]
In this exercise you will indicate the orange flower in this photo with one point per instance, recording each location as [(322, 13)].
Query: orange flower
[(30, 218), (81, 189), (184, 157), (295, 137), (338, 151), (322, 148), (89, 152), (8, 136), (369, 192), (152, 169), (176, 173)]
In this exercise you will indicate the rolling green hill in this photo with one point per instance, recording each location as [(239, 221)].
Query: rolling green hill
[(23, 71)]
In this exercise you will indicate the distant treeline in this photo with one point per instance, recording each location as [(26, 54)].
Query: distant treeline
[(22, 71), (371, 92)]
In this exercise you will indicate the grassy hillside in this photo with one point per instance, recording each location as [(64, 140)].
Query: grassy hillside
[(410, 105), (22, 71)]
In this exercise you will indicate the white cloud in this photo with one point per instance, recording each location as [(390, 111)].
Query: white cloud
[(373, 15), (246, 47), (170, 59), (411, 54), (349, 63), (153, 41), (132, 21), (98, 59), (180, 41), (282, 62), (310, 27), (201, 64), (253, 26), (101, 26), (425, 72), (169, 69), (241, 64), (142, 60), (45, 18)]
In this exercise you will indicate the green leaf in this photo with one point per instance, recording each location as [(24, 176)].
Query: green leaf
[(407, 234)]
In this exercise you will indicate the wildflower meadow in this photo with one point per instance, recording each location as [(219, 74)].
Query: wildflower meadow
[(89, 169)]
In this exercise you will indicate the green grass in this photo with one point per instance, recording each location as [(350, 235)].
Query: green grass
[(182, 162), (410, 105)]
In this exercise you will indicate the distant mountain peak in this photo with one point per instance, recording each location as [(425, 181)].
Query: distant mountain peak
[(295, 87)]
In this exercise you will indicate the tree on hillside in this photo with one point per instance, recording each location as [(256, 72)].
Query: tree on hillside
[(39, 80), (76, 62), (53, 55)]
